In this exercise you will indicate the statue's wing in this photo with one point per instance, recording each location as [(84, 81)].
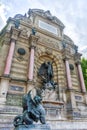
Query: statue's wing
[(26, 98), (42, 70)]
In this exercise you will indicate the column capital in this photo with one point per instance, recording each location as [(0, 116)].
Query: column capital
[(31, 82), (32, 47), (12, 40), (33, 40), (78, 62), (77, 56), (66, 58), (15, 33), (66, 54)]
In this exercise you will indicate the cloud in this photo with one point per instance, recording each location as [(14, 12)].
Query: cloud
[(71, 12), (2, 15), (73, 15)]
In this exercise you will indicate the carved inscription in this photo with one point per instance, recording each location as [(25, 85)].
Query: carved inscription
[(48, 27)]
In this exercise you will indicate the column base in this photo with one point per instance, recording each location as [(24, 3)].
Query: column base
[(4, 85), (2, 100)]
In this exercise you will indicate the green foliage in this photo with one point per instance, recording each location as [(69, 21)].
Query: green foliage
[(84, 70)]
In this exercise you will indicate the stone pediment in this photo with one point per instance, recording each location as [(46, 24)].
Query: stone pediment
[(47, 15)]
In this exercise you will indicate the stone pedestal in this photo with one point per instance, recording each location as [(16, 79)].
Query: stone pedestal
[(33, 127)]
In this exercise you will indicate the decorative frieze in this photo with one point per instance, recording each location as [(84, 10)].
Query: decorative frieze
[(33, 40), (15, 33), (49, 42)]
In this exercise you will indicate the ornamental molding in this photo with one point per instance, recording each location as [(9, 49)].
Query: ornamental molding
[(33, 40), (15, 33), (47, 15), (77, 57), (50, 43)]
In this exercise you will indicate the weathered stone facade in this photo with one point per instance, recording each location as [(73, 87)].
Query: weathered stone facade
[(22, 51)]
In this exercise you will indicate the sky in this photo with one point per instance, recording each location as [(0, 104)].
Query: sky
[(72, 13)]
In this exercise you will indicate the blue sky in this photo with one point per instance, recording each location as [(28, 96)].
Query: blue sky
[(73, 14)]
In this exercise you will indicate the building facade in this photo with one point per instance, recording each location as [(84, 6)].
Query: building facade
[(27, 44)]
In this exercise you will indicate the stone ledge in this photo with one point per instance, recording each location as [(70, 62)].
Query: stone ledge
[(33, 127)]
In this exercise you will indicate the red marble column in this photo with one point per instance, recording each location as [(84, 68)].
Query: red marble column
[(9, 58), (31, 64), (81, 77), (68, 74)]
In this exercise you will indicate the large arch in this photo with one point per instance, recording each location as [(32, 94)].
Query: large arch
[(42, 56)]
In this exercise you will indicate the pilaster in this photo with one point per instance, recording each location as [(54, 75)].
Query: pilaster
[(68, 75), (71, 103), (33, 43), (4, 85), (80, 74)]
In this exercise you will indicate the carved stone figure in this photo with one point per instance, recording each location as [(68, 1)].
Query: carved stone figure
[(32, 111), (17, 23), (64, 45), (20, 16), (76, 48), (33, 31)]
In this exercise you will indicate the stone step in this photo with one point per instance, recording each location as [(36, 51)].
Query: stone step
[(7, 114), (7, 127), (68, 125), (60, 126), (34, 127)]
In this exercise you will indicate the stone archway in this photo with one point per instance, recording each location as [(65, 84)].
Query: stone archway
[(41, 57)]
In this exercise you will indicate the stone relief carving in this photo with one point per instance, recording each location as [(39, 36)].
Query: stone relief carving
[(48, 51), (45, 14), (48, 93), (25, 32), (48, 42)]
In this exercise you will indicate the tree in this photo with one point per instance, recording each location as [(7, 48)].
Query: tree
[(84, 70)]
